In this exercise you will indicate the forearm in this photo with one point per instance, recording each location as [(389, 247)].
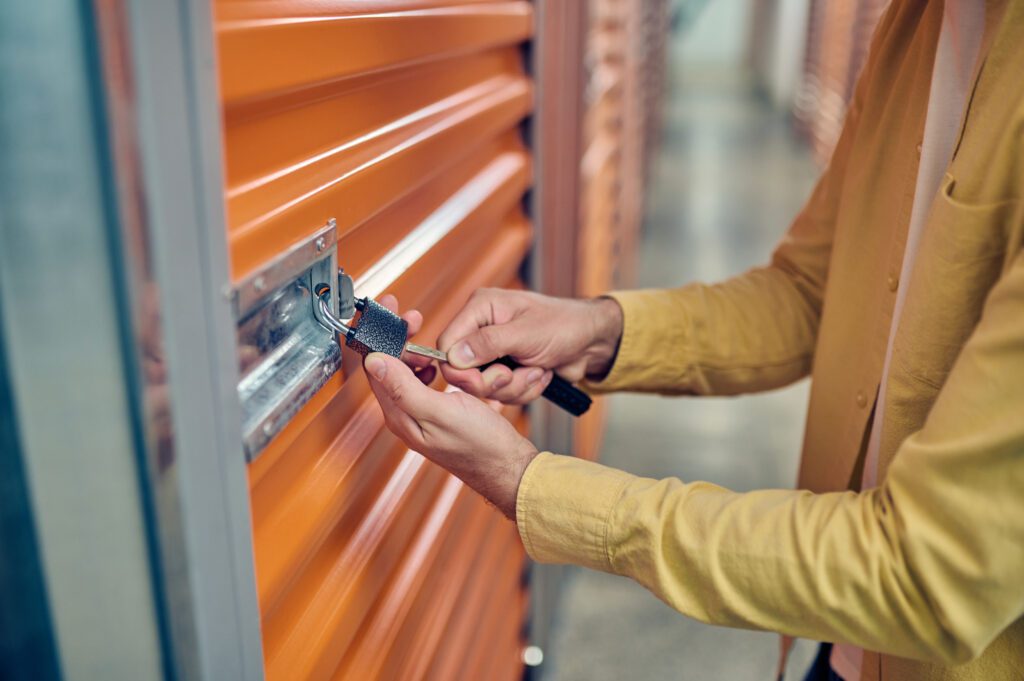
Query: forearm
[(751, 333), (827, 567)]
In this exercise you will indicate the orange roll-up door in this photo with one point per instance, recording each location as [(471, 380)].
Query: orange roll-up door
[(400, 120)]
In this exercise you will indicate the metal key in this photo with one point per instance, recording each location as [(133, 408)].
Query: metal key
[(424, 351), (381, 330)]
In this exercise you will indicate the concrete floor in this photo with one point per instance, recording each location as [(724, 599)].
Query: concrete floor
[(729, 179)]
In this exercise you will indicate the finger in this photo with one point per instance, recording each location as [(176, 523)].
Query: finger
[(478, 311), (427, 374), (535, 390), (414, 318), (477, 383), (397, 421), (390, 302), (467, 380), (416, 361), (415, 321), (397, 388), (488, 343), (495, 405), (524, 380), (496, 377), (574, 372)]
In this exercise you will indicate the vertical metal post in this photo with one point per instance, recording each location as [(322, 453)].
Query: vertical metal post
[(161, 78), (556, 144), (61, 325)]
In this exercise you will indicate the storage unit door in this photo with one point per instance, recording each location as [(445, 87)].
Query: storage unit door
[(400, 121)]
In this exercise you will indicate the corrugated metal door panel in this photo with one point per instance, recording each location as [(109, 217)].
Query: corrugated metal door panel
[(400, 120), (424, 628), (264, 53), (448, 663)]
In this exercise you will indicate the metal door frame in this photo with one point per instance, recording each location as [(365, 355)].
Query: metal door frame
[(112, 243)]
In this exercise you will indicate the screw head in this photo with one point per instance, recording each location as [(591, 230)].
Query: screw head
[(320, 243), (260, 283), (268, 428)]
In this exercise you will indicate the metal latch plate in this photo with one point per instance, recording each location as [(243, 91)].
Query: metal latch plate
[(285, 354)]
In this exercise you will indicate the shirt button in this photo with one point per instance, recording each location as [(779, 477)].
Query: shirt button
[(894, 282), (862, 401)]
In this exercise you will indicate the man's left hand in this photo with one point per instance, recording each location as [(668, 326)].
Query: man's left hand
[(452, 429)]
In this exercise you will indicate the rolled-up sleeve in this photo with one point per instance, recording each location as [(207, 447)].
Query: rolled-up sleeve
[(563, 508)]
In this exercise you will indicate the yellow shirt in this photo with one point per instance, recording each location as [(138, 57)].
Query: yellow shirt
[(928, 567)]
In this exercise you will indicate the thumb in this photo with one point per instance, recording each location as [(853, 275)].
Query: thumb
[(488, 343), (396, 386)]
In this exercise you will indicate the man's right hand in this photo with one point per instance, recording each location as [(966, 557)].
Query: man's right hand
[(575, 338)]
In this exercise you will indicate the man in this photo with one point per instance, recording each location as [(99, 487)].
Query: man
[(900, 289)]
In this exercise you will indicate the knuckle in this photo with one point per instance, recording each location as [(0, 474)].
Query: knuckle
[(489, 337)]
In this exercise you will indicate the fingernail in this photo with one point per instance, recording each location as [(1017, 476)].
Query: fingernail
[(501, 381), (376, 366), (464, 354), (534, 376)]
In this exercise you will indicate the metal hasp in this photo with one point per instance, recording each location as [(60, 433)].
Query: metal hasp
[(285, 351)]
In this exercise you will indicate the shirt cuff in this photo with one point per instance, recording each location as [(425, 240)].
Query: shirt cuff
[(648, 341), (563, 507)]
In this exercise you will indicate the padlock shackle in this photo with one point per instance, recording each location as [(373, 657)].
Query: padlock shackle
[(323, 293)]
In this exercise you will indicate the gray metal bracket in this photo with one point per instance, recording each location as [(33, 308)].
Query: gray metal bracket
[(286, 353)]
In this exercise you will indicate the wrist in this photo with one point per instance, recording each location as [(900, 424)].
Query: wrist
[(520, 461), (607, 324)]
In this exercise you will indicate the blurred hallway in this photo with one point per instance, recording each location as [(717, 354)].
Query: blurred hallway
[(729, 178)]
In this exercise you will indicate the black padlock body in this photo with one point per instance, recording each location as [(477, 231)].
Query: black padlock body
[(379, 330)]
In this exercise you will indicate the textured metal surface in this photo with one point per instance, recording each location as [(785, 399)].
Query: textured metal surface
[(401, 119), (378, 330)]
